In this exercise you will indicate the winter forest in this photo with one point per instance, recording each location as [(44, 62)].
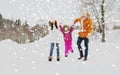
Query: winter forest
[(27, 34)]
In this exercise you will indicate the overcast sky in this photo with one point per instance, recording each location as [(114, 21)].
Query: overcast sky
[(33, 10)]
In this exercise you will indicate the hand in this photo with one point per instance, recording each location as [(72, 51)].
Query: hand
[(72, 25), (60, 23), (74, 22)]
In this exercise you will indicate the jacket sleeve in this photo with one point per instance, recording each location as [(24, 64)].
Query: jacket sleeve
[(61, 29), (77, 20), (72, 28)]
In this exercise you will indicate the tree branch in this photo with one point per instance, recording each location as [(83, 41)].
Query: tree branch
[(109, 6), (91, 2)]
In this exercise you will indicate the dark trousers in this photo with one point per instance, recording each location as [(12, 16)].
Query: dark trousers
[(86, 41), (52, 48)]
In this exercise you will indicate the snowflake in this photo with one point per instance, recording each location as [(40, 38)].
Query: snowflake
[(58, 63), (15, 53), (57, 73), (21, 58), (34, 68), (42, 54), (33, 62), (23, 33), (48, 1), (97, 49), (117, 47), (21, 51), (83, 63), (34, 51), (13, 32), (24, 48), (113, 65), (12, 1), (10, 48), (72, 60), (16, 70), (21, 6), (36, 45)]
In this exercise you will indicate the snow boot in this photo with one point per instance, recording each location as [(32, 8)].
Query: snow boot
[(58, 58), (81, 55), (66, 55), (85, 59), (72, 51), (50, 58)]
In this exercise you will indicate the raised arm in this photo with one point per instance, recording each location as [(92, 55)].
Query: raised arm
[(77, 20), (61, 29), (72, 27)]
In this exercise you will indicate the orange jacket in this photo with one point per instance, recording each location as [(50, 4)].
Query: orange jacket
[(87, 25)]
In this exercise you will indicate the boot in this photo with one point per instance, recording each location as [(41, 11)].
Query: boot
[(50, 58), (72, 51), (85, 59), (66, 54), (58, 58), (81, 55), (80, 58)]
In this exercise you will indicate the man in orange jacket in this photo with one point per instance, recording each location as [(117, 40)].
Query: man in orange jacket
[(86, 27)]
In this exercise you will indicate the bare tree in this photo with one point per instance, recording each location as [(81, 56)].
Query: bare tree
[(18, 22), (1, 16), (26, 24), (99, 9)]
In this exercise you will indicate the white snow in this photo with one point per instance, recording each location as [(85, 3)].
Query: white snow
[(32, 59)]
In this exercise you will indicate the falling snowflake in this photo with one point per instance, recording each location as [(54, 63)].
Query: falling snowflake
[(117, 47), (33, 62), (16, 70), (72, 60), (113, 65), (34, 68), (57, 73)]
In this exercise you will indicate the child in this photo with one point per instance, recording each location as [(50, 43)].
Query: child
[(67, 33)]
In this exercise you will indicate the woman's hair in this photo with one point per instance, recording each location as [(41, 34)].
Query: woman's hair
[(56, 24), (85, 13), (52, 24), (88, 15)]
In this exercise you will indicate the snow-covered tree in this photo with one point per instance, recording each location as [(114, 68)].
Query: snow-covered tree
[(99, 9), (0, 16), (18, 22), (26, 24), (1, 24)]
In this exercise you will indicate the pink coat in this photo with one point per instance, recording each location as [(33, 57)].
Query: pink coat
[(67, 36)]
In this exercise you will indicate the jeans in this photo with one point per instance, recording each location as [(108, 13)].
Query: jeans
[(86, 41), (52, 48)]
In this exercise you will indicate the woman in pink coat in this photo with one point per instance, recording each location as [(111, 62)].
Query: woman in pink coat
[(67, 34)]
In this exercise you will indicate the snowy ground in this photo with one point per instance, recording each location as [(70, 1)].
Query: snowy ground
[(31, 59)]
